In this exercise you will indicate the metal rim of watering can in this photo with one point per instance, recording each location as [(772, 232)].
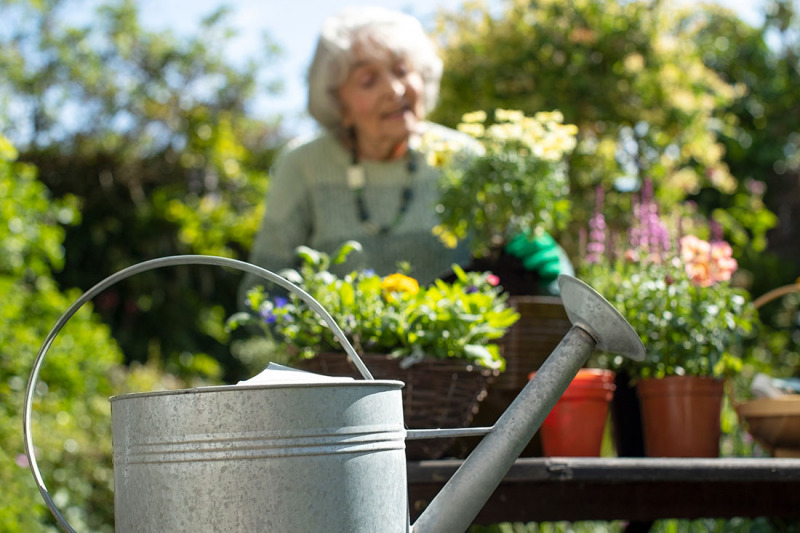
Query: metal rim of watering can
[(128, 272)]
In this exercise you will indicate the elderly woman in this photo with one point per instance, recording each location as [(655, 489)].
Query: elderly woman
[(374, 76)]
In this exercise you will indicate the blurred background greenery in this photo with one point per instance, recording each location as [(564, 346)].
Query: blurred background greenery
[(120, 144)]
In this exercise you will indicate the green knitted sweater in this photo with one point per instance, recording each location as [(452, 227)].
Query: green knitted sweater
[(309, 203)]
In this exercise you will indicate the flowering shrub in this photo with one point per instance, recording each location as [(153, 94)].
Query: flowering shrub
[(679, 299), (390, 314), (516, 182)]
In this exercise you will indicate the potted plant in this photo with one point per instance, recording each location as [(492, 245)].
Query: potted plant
[(439, 339), (676, 292), (507, 196)]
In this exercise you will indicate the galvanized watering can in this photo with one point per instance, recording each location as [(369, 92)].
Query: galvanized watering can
[(313, 457)]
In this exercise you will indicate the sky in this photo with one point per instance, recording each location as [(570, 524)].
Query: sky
[(294, 26)]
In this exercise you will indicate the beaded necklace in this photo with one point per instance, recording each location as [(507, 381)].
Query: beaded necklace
[(357, 180)]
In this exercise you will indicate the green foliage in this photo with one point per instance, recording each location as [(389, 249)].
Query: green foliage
[(676, 293), (71, 412), (30, 240), (151, 133), (687, 329), (389, 314), (223, 222), (762, 149)]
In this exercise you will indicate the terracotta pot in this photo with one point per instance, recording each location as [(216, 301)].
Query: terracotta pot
[(574, 428), (681, 415)]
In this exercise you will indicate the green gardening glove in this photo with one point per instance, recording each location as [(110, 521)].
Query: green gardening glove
[(543, 255)]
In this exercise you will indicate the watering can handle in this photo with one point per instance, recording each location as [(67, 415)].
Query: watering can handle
[(130, 271)]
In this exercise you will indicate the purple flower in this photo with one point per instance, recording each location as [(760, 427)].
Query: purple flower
[(650, 235), (267, 315), (280, 301), (596, 246), (471, 289), (755, 187), (715, 230)]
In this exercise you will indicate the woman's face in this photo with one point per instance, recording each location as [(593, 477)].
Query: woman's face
[(382, 99)]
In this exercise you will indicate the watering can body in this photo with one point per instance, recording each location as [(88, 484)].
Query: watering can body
[(301, 457)]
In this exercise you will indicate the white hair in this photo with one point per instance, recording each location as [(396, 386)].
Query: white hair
[(334, 57)]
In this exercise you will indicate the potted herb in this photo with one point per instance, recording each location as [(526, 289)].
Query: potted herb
[(440, 339), (676, 292)]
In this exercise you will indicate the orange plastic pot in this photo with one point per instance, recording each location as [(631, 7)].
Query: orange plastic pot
[(574, 428), (681, 415)]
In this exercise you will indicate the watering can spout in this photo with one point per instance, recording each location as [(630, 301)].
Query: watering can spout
[(596, 325)]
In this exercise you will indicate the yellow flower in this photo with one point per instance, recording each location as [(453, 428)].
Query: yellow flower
[(7, 150), (476, 130), (509, 115), (394, 283), (475, 116), (438, 158), (448, 238), (550, 116)]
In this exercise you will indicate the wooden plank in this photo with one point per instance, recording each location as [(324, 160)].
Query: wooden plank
[(549, 489)]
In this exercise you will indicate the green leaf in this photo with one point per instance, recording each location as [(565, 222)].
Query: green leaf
[(345, 250)]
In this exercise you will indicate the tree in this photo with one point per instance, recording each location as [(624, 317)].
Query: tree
[(629, 74), (70, 410), (762, 150), (152, 135)]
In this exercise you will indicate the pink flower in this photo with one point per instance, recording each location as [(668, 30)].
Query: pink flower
[(631, 256), (492, 280), (597, 231), (694, 249), (707, 263)]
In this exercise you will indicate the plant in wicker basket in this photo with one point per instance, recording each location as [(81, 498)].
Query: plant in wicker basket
[(439, 340)]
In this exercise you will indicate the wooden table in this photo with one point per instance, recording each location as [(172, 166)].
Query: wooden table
[(633, 489)]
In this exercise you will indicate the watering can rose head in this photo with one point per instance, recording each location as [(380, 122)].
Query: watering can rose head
[(385, 314), (676, 292)]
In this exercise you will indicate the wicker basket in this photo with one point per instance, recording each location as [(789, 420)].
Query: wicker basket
[(543, 323), (438, 393)]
